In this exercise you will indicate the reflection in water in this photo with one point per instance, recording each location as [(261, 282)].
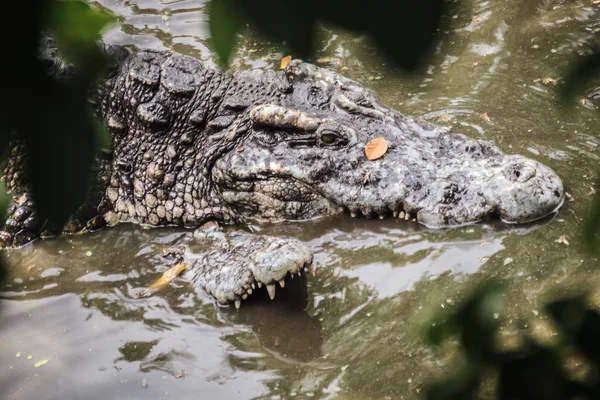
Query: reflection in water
[(353, 331), (282, 327), (89, 309)]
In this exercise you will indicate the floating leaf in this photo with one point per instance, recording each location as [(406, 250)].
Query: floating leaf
[(569, 196), (486, 118), (40, 363), (285, 61), (88, 253), (563, 240), (592, 191), (376, 148), (166, 278), (18, 354), (547, 81)]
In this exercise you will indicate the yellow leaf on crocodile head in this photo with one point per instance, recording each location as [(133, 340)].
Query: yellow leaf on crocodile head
[(376, 148)]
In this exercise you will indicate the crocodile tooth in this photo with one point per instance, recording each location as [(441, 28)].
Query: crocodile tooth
[(244, 296), (395, 214), (253, 286), (292, 275), (311, 269), (271, 290), (282, 283), (238, 303), (259, 285), (407, 216), (381, 216), (353, 214), (401, 215), (250, 290)]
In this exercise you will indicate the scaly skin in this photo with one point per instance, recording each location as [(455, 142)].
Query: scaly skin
[(230, 266), (191, 145)]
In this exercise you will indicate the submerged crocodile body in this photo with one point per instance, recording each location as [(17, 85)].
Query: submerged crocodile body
[(192, 145)]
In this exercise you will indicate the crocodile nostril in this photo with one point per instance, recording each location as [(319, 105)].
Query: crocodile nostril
[(519, 172)]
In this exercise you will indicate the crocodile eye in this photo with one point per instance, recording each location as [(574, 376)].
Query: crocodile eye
[(328, 138)]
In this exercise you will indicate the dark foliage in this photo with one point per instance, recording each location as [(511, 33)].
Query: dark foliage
[(386, 22), (533, 370)]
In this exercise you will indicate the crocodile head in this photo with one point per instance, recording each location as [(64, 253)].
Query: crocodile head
[(304, 157)]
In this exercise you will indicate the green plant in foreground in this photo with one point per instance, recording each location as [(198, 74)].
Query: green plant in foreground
[(529, 371)]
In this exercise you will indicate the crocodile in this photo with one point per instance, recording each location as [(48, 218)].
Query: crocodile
[(192, 145)]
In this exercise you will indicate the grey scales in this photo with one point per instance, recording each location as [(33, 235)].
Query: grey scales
[(191, 145)]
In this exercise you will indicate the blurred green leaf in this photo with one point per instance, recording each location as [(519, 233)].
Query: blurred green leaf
[(61, 135), (404, 30), (533, 374), (579, 325), (224, 24), (463, 385), (4, 202), (436, 332), (479, 319), (577, 76), (417, 20), (579, 73), (77, 27), (476, 321), (285, 21), (103, 139), (591, 227), (63, 146)]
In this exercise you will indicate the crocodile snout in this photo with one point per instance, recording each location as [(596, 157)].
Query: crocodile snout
[(527, 191)]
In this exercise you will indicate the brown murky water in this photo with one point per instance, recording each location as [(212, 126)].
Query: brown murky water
[(353, 332)]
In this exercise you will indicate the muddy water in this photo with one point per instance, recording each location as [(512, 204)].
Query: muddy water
[(353, 331)]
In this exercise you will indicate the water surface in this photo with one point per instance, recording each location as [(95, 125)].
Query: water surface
[(353, 331)]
